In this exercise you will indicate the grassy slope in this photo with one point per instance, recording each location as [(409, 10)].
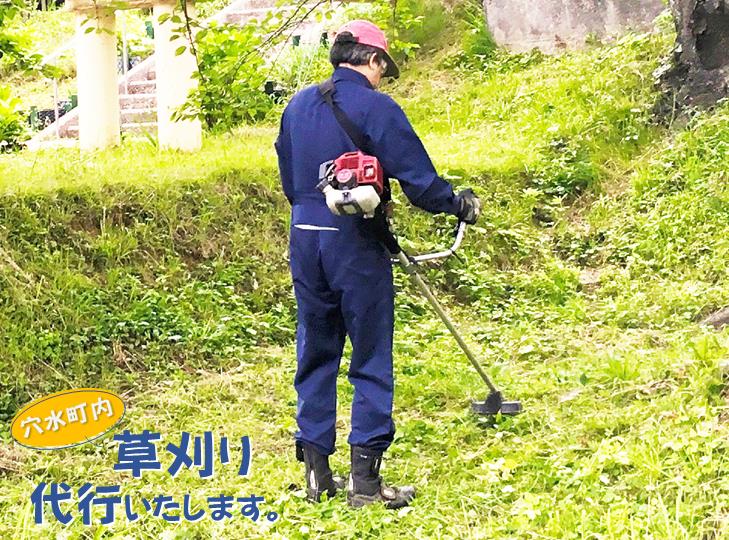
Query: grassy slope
[(164, 277)]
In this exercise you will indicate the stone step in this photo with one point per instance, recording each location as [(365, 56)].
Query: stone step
[(144, 71), (244, 5), (138, 115), (138, 101), (139, 127), (69, 129), (251, 12), (126, 127), (142, 87), (258, 4), (243, 16)]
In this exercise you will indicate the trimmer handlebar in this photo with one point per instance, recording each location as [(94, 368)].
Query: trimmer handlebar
[(460, 232)]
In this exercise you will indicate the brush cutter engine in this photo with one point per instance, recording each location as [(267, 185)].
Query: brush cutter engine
[(352, 184)]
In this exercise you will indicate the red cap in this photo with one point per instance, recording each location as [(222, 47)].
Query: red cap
[(367, 33)]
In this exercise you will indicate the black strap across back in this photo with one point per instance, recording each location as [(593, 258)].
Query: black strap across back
[(327, 90)]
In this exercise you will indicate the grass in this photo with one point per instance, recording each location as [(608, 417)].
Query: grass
[(163, 276), (248, 150)]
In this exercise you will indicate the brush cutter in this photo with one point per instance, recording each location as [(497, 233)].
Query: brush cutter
[(494, 402), (352, 185)]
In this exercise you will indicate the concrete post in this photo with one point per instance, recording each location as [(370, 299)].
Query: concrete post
[(98, 94), (174, 81)]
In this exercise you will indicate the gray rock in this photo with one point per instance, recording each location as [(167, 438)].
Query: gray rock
[(699, 76), (551, 25), (718, 319)]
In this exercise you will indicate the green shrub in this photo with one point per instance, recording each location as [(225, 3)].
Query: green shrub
[(297, 67), (137, 46), (15, 43), (477, 39), (477, 45), (231, 78), (415, 24), (565, 169), (12, 124)]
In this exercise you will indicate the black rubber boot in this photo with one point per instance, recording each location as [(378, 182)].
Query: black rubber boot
[(319, 477), (366, 486)]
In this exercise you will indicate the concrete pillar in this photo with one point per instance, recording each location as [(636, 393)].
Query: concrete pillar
[(174, 81), (98, 94)]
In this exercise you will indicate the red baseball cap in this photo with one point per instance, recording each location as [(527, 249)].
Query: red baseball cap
[(367, 33)]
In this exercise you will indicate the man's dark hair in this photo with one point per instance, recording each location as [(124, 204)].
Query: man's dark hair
[(346, 50)]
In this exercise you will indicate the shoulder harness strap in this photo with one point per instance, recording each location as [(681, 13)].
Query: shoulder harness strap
[(327, 90)]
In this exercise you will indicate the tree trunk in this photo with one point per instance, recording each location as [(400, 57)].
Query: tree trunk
[(699, 76)]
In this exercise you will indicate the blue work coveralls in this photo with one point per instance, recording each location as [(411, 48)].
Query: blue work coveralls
[(342, 276)]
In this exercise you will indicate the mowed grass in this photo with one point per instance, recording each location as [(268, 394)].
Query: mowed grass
[(600, 247), (619, 439), (138, 163)]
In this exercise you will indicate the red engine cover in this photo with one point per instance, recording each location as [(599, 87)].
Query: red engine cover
[(358, 169)]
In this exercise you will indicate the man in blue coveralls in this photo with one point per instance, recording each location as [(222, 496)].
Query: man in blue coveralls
[(342, 275)]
